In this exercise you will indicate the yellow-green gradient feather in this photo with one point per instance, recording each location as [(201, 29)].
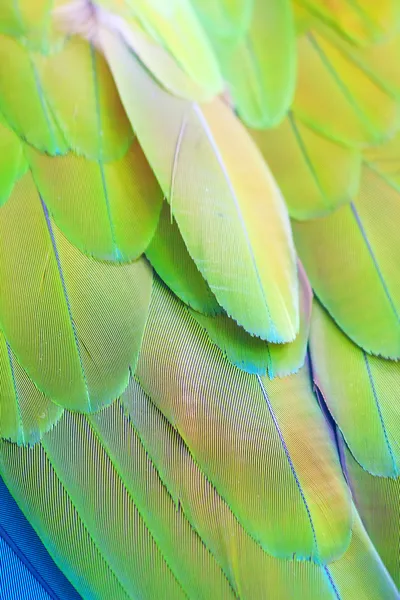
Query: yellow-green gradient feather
[(257, 356), (257, 53), (230, 418), (218, 188), (66, 316), (363, 400), (171, 260), (177, 418), (352, 259)]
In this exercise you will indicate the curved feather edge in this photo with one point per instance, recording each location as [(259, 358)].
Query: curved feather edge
[(194, 158), (358, 388), (254, 355), (207, 399), (352, 258)]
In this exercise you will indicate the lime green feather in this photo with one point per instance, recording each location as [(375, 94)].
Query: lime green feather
[(12, 161), (25, 413), (68, 318), (160, 63), (20, 80), (257, 356), (60, 491), (352, 260), (81, 94), (260, 67), (362, 399), (169, 257), (252, 437), (360, 22), (228, 20), (219, 188), (30, 21), (255, 43), (174, 26), (108, 210), (361, 574), (189, 559)]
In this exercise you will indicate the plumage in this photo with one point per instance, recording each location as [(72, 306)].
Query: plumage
[(352, 260), (257, 55), (324, 174), (199, 299), (366, 392), (187, 132)]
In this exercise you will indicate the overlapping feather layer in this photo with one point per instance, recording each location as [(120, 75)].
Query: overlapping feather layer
[(163, 426)]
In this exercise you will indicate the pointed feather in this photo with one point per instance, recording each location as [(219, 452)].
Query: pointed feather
[(176, 26), (315, 174), (169, 257), (230, 418), (80, 547), (160, 63), (254, 355), (219, 189), (358, 389), (67, 318), (108, 210), (352, 259)]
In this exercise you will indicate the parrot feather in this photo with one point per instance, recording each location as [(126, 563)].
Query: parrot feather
[(366, 392), (361, 22), (33, 121), (323, 174), (32, 480), (107, 210), (25, 413), (12, 161), (260, 65), (51, 300), (218, 188), (174, 25), (83, 98), (352, 260), (338, 97), (271, 420), (195, 567), (169, 257), (227, 19), (377, 500), (31, 570), (257, 356)]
